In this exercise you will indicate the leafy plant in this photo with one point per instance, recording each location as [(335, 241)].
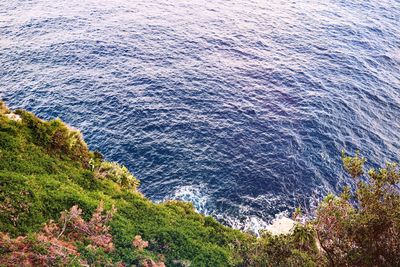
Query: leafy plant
[(57, 137), (362, 228), (56, 243), (117, 173)]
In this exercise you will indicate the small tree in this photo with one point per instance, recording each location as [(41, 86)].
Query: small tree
[(362, 228)]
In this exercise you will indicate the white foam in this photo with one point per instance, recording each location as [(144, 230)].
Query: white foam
[(195, 194), (281, 224), (198, 195), (251, 224)]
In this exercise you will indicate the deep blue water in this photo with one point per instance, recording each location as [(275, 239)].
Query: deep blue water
[(241, 107)]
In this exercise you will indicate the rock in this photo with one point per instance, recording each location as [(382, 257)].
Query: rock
[(282, 225), (13, 117)]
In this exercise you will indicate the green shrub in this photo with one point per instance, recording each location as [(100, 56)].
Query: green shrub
[(353, 165), (362, 228), (117, 173), (57, 137)]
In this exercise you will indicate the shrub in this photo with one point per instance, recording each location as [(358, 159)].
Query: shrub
[(95, 231), (139, 243), (353, 165), (117, 173), (297, 249), (56, 243), (362, 228), (57, 137), (36, 250)]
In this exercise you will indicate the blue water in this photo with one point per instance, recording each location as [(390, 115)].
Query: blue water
[(241, 107)]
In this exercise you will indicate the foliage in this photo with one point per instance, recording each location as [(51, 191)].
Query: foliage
[(70, 241), (117, 173), (139, 243), (56, 243), (297, 248), (353, 165), (362, 228), (57, 137)]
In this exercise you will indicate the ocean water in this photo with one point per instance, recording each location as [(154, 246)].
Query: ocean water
[(241, 107)]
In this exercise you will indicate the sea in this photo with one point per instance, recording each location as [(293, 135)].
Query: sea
[(241, 107)]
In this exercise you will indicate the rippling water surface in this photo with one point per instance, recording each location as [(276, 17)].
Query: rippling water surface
[(241, 107)]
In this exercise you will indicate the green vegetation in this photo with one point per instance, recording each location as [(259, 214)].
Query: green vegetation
[(61, 204), (362, 228)]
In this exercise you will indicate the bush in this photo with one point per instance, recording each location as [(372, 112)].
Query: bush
[(57, 137), (362, 228), (56, 243), (117, 173), (296, 249)]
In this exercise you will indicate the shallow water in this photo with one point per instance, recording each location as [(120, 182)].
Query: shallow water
[(241, 107)]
